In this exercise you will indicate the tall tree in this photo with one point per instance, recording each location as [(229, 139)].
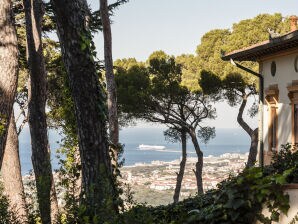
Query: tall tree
[(100, 195), (155, 94), (110, 79), (8, 69), (11, 174), (37, 92)]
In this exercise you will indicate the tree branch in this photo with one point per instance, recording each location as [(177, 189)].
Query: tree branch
[(240, 120)]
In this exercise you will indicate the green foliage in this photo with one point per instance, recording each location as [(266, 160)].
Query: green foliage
[(209, 51), (243, 34), (132, 88), (31, 199), (127, 63), (3, 123), (251, 31), (236, 88), (210, 82), (69, 180), (96, 23), (61, 114), (285, 159), (74, 211), (172, 135), (153, 91), (240, 199), (233, 203), (206, 134), (294, 220), (190, 71), (165, 77), (234, 81)]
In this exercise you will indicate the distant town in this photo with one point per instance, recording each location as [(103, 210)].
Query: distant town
[(154, 183)]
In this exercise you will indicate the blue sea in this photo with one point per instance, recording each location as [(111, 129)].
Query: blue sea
[(226, 141)]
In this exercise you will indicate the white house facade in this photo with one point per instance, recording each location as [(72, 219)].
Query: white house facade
[(278, 73)]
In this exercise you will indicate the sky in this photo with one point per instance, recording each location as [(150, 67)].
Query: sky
[(176, 27)]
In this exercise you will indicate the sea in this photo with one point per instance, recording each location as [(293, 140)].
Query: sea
[(226, 141)]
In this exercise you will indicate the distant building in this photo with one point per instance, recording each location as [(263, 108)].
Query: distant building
[(278, 62)]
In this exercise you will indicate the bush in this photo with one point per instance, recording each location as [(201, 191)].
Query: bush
[(286, 158), (241, 199)]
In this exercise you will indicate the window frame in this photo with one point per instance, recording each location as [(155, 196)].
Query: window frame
[(293, 96), (272, 98)]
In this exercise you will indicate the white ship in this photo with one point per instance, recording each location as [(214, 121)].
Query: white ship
[(151, 147)]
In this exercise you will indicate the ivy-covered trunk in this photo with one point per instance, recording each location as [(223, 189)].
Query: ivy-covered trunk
[(182, 168), (99, 194), (11, 173), (8, 69), (110, 79), (199, 165), (36, 112)]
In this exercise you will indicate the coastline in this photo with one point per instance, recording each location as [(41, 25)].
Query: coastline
[(192, 158)]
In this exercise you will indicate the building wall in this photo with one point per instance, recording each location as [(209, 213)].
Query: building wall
[(290, 217), (285, 74)]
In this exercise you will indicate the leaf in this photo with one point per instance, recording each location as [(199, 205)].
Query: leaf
[(281, 179), (238, 203), (235, 216), (194, 211), (259, 197), (265, 191), (286, 173), (83, 46)]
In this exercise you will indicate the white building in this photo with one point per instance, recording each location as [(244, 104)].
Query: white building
[(278, 63)]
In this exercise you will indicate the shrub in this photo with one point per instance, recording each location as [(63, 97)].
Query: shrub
[(241, 199), (286, 158)]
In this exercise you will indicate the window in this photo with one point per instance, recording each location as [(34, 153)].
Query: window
[(295, 125), (293, 95), (272, 133), (273, 68), (296, 64), (272, 102)]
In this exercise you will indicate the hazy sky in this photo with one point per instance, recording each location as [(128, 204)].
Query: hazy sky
[(176, 26)]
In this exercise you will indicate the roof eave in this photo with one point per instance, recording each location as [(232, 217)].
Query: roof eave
[(254, 53)]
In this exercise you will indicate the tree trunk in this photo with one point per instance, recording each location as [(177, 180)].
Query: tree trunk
[(54, 203), (253, 151), (88, 95), (182, 168), (11, 174), (8, 69), (199, 165), (240, 120), (37, 91), (253, 134), (110, 79)]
